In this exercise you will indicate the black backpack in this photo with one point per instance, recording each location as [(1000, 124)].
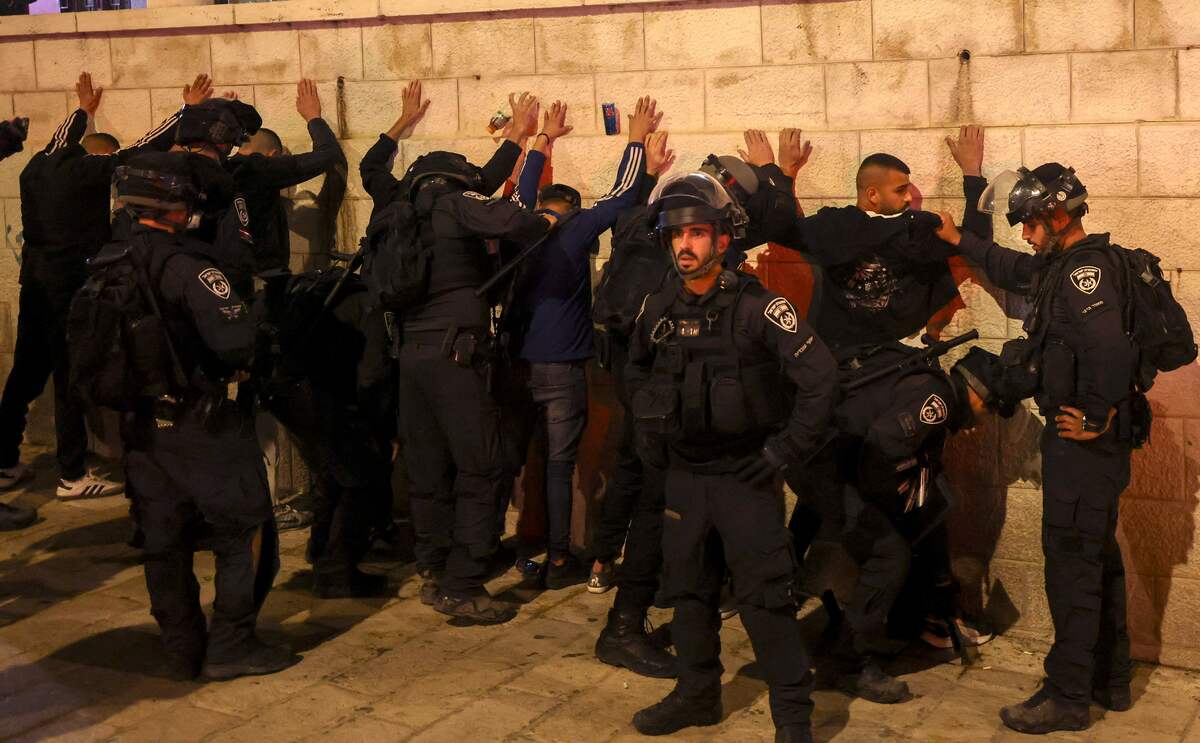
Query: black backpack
[(637, 267), (119, 350), (397, 255)]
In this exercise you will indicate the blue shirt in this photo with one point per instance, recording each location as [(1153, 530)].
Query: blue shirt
[(555, 290)]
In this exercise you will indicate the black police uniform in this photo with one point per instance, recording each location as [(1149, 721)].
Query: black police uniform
[(195, 472), (65, 217), (711, 378), (1087, 362)]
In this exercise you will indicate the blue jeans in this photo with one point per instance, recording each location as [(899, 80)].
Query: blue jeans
[(559, 394)]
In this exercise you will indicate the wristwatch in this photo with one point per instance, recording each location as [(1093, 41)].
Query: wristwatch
[(1093, 426)]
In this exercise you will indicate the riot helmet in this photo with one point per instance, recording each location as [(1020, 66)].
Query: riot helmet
[(220, 122), (740, 182), (693, 198), (448, 170), (981, 371), (1026, 194), (155, 183)]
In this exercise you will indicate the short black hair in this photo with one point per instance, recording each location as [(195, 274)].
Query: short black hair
[(271, 137), (107, 139), (880, 160)]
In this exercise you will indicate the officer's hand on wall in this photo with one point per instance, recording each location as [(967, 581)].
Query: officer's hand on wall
[(199, 91), (308, 100), (89, 97), (948, 232), (968, 150), (644, 120), (758, 148), (1072, 422), (794, 152), (659, 159), (411, 112)]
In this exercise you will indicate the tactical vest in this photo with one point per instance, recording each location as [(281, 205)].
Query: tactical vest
[(703, 389)]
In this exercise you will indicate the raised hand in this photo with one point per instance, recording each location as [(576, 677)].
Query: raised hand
[(554, 123), (967, 150), (199, 91), (758, 148), (412, 110), (659, 159), (794, 152), (525, 110), (89, 97), (308, 100), (644, 119)]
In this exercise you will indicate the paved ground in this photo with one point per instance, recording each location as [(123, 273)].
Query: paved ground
[(79, 660)]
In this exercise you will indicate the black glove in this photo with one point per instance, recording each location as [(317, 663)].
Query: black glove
[(763, 466)]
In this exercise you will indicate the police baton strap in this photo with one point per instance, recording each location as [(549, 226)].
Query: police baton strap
[(521, 257), (920, 357)]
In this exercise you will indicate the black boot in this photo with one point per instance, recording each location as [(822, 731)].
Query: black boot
[(430, 590), (350, 584), (15, 517), (624, 642), (257, 659), (674, 713), (1042, 713), (794, 734), (1113, 698), (875, 685)]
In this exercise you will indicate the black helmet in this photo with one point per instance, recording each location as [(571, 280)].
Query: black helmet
[(982, 371), (218, 122), (450, 167), (156, 182), (739, 180), (692, 198), (12, 136), (1031, 193)]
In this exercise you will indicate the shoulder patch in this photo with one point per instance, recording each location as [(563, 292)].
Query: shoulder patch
[(215, 282), (934, 411), (475, 195), (780, 312), (1086, 278), (243, 213)]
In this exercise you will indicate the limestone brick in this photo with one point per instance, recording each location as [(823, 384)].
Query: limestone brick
[(166, 101), (373, 106), (765, 97), (276, 104), (1158, 467), (329, 53), (940, 28), (1157, 536), (10, 172), (17, 61), (305, 10), (981, 313), (59, 62), (1167, 23), (691, 149), (1175, 393), (31, 25), (125, 114), (6, 107), (271, 56), (483, 47), (10, 267), (1165, 227), (1189, 83), (708, 37), (159, 61), (995, 90), (1123, 86), (589, 43), (479, 100), (871, 94), (679, 94), (1105, 157), (933, 168), (1021, 537), (1169, 164), (816, 32), (449, 7), (1024, 583), (588, 164), (155, 18), (831, 168), (45, 111), (1063, 25), (397, 51)]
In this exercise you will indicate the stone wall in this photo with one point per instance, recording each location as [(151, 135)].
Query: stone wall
[(1109, 86)]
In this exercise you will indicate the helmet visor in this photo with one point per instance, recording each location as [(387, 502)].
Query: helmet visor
[(995, 198)]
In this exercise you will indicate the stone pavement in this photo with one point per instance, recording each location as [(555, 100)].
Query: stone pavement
[(80, 660)]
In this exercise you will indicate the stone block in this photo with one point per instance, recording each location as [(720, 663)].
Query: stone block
[(373, 106), (160, 61), (934, 171), (765, 97), (1181, 604), (59, 62), (590, 43), (1157, 536), (454, 7), (1167, 23), (493, 47), (305, 10), (270, 56), (6, 106), (1189, 83), (1165, 227), (816, 32), (276, 104), (156, 18), (1175, 393), (679, 93), (125, 114), (877, 94), (45, 111), (981, 313), (17, 61), (39, 25), (479, 100), (589, 164), (1169, 164), (831, 168), (1123, 86), (398, 51), (10, 172), (1025, 586), (1106, 157), (703, 37), (994, 90), (940, 28), (329, 53), (1021, 536), (691, 149), (1063, 26), (1158, 468)]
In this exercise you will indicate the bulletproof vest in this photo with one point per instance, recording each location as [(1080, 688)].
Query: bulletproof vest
[(703, 387)]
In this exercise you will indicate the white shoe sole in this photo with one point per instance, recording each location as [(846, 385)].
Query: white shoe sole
[(91, 491)]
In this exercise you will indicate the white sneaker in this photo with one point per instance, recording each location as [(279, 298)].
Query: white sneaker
[(90, 485), (10, 476)]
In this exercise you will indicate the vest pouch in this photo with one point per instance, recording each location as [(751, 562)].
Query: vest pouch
[(1058, 373), (655, 409), (727, 400), (767, 395), (146, 338)]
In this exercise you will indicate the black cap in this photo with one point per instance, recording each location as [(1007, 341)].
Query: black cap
[(983, 373), (560, 192), (217, 121)]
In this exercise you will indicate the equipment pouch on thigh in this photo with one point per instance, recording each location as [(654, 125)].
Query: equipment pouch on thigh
[(464, 350)]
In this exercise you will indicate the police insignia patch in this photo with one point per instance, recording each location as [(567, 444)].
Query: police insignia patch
[(243, 213), (934, 411), (781, 313), (215, 282), (475, 195), (1086, 278)]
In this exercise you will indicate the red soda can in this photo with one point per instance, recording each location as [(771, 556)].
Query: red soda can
[(612, 122)]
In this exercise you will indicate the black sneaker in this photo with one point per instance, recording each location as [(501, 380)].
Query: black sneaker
[(16, 517), (674, 713), (570, 573), (430, 591), (290, 518), (602, 580), (874, 685), (1042, 713), (481, 609), (259, 659)]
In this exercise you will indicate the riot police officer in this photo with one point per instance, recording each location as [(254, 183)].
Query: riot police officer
[(194, 470), (1087, 362), (730, 388)]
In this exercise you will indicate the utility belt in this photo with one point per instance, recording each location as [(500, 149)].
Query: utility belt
[(466, 347), (726, 464)]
